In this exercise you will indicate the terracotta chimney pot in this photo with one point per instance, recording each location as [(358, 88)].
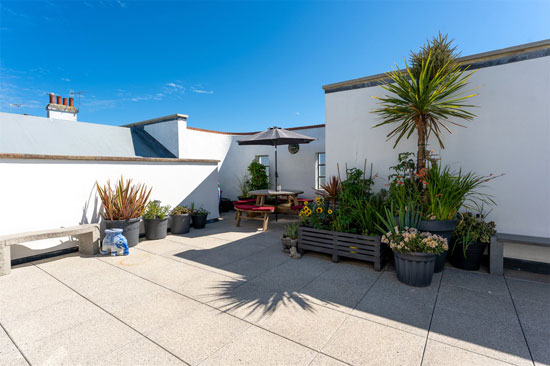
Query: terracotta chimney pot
[(64, 101), (71, 102), (58, 99), (52, 98)]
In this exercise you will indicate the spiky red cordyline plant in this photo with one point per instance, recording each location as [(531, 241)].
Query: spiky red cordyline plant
[(330, 190), (125, 201)]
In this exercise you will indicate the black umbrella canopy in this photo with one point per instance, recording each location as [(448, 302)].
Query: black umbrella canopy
[(276, 136)]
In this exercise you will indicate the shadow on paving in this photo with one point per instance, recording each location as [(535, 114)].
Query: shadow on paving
[(468, 310)]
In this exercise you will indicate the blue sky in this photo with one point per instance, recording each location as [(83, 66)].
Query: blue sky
[(231, 66)]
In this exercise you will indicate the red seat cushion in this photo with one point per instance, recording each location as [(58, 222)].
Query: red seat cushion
[(297, 208), (245, 207), (304, 200), (248, 200)]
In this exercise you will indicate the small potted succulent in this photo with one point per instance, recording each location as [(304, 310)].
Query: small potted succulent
[(414, 253), (471, 236), (181, 220), (198, 216), (123, 205), (156, 221), (290, 236)]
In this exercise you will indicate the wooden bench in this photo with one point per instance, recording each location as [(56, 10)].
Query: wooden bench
[(253, 212), (496, 248), (87, 235)]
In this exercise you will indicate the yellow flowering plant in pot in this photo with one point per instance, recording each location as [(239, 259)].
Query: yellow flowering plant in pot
[(317, 214)]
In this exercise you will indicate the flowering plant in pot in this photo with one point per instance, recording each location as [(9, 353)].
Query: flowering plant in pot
[(414, 254), (156, 221), (181, 221), (290, 236), (471, 236), (198, 216), (123, 205)]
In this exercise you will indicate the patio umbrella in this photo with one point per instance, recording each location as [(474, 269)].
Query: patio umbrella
[(276, 136)]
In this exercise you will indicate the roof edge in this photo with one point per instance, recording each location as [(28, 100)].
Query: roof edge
[(466, 60), (252, 133), (171, 117), (18, 156)]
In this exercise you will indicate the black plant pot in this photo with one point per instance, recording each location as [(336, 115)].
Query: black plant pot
[(472, 261), (155, 229), (130, 229), (180, 224), (443, 228), (415, 269), (199, 221)]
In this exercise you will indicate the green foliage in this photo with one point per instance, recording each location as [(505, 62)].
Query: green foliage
[(180, 210), (258, 176), (409, 217), (198, 211), (243, 186), (424, 98), (317, 214), (291, 231), (156, 211), (440, 49), (124, 201), (356, 184), (410, 240), (447, 192), (404, 187), (472, 229)]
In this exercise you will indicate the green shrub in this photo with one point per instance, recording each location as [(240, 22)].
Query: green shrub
[(156, 211), (258, 176)]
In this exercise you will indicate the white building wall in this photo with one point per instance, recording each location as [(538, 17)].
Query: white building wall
[(296, 171), (46, 194), (167, 133), (511, 135)]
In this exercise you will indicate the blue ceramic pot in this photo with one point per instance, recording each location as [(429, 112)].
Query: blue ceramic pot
[(114, 243)]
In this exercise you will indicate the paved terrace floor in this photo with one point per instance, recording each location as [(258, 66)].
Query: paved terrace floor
[(228, 296)]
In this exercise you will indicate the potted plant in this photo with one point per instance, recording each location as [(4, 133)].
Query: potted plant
[(181, 220), (414, 253), (123, 206), (243, 187), (198, 216), (290, 237), (258, 176), (446, 192), (156, 221), (471, 236)]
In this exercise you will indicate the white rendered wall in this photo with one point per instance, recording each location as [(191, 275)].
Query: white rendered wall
[(511, 135), (62, 115), (46, 194), (296, 171), (167, 133)]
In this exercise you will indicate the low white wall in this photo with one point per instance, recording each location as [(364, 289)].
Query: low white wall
[(46, 194), (296, 171), (511, 135)]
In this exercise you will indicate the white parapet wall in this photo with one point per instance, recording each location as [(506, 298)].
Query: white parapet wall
[(52, 192), (510, 135)]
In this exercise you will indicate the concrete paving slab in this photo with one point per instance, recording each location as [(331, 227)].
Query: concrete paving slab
[(256, 264), (400, 306), (140, 352), (534, 291), (256, 346), (196, 335), (9, 354), (323, 360), (440, 354), (533, 313), (527, 276), (312, 326), (481, 334), (362, 342), (538, 339), (474, 280)]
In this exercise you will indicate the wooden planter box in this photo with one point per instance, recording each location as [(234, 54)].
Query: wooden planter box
[(367, 248)]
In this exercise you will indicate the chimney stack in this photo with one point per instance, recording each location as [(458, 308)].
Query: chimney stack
[(58, 108)]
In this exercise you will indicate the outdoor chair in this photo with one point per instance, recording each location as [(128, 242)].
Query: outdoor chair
[(253, 212)]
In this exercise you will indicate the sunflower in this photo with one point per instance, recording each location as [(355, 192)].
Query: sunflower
[(318, 200), (306, 203), (319, 210), (329, 211)]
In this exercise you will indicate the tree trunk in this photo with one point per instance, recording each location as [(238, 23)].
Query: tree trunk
[(421, 154)]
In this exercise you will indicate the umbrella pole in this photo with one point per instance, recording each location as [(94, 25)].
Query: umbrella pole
[(276, 183)]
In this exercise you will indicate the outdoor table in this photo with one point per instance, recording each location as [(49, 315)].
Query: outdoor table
[(291, 194)]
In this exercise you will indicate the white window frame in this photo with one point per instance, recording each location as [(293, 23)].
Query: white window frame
[(318, 166), (267, 170)]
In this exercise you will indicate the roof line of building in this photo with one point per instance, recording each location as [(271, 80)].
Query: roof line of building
[(252, 133), (171, 117), (105, 158), (478, 60)]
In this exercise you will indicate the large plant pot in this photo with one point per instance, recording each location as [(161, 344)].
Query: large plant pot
[(130, 229), (199, 221), (415, 269), (180, 224), (443, 228), (156, 229), (472, 261), (288, 243)]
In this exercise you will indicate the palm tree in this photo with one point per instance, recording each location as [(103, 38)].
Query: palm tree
[(424, 101)]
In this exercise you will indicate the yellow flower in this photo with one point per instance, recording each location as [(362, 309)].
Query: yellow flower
[(305, 203), (329, 211), (319, 209)]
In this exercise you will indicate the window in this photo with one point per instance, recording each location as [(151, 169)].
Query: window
[(320, 171), (264, 160)]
